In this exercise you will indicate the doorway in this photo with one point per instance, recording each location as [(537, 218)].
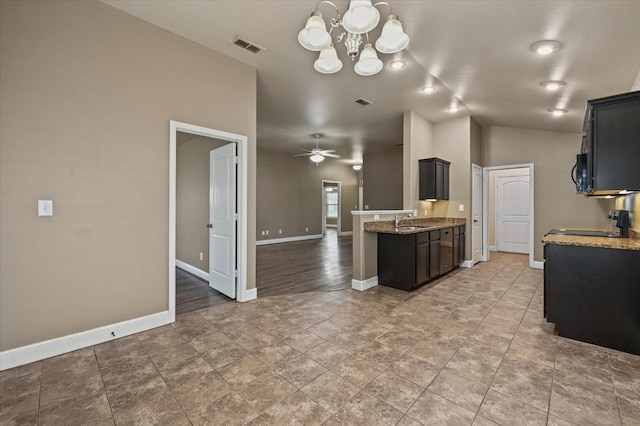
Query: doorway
[(240, 252), (331, 206), (515, 225)]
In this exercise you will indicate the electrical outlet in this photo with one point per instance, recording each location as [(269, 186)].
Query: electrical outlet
[(461, 207), (280, 231), (263, 233), (201, 256), (376, 217), (45, 207), (267, 232), (306, 229)]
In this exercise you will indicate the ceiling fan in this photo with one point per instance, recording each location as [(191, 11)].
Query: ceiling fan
[(317, 154)]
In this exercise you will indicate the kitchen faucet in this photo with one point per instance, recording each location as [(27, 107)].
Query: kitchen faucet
[(400, 217)]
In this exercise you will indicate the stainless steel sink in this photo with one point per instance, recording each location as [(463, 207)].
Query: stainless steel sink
[(584, 233), (409, 228)]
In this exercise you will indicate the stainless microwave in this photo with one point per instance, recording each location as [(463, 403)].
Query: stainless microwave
[(579, 173)]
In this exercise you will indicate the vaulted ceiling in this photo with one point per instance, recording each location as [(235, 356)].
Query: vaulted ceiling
[(476, 53)]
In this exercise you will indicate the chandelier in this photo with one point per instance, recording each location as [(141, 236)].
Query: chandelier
[(361, 18)]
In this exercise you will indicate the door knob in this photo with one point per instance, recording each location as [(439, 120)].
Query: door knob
[(209, 225), (475, 220)]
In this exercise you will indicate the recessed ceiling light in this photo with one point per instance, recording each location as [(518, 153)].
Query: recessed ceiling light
[(546, 47), (397, 64), (553, 84), (428, 89), (453, 109), (557, 112)]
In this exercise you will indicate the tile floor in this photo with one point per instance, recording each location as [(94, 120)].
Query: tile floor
[(471, 349)]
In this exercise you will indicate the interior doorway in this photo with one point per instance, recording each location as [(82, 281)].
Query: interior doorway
[(239, 218), (331, 206), (512, 221)]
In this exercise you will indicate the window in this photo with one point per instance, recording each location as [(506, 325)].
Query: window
[(332, 205)]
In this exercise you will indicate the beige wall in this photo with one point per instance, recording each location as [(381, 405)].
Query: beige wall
[(382, 174), (289, 194), (87, 95), (553, 155), (192, 199), (417, 137), (630, 202)]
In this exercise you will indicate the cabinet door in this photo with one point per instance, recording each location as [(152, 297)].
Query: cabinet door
[(456, 251), (445, 182), (439, 183), (446, 250), (434, 258), (422, 263), (462, 244)]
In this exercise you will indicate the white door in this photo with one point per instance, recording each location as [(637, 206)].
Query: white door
[(222, 220), (476, 213), (513, 211)]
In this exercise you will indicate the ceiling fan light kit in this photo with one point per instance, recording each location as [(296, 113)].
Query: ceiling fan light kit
[(361, 17), (316, 154)]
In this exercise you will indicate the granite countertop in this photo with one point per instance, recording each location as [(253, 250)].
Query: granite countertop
[(421, 225), (631, 243)]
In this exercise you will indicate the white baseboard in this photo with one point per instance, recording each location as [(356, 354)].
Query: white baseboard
[(346, 233), (42, 350), (536, 264), (329, 225), (493, 248), (247, 295), (288, 239), (192, 270), (364, 285), (466, 264)]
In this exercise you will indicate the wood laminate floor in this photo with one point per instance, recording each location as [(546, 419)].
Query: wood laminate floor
[(299, 267)]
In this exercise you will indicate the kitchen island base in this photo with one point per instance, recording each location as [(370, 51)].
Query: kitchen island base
[(593, 295)]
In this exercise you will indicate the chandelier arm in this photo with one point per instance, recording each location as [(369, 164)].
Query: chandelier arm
[(329, 3), (384, 3)]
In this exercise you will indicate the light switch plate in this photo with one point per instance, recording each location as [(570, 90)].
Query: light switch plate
[(461, 207), (45, 207)]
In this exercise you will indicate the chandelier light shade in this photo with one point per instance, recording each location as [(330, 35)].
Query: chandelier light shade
[(328, 62), (369, 64), (361, 17), (314, 35), (393, 38), (316, 158), (357, 166)]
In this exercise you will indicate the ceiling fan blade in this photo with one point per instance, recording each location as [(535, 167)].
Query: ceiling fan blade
[(331, 155), (303, 155), (327, 151)]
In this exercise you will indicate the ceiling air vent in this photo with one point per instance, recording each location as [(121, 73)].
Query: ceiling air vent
[(363, 102), (245, 44)]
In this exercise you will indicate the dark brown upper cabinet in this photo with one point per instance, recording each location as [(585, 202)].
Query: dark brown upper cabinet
[(434, 179)]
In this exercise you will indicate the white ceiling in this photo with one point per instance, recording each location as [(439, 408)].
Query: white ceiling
[(474, 51)]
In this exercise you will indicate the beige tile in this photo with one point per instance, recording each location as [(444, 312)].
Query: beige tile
[(381, 353), (358, 371), (300, 371), (437, 350), (193, 325), (208, 342), (131, 385), (62, 386), (330, 391), (327, 354), (225, 355), (583, 359), (303, 340), (524, 381), (243, 371), (275, 354), (21, 410), (231, 409), (396, 391), (408, 421), (162, 409), (350, 341), (468, 363), (483, 421), (414, 369), (463, 392), (297, 409), (503, 409), (179, 372), (582, 400), (254, 338), (266, 391), (126, 350), (432, 409), (200, 392), (326, 329), (366, 410), (80, 411)]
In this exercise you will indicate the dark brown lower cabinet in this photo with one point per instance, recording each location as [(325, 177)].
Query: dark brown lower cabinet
[(593, 295), (407, 261)]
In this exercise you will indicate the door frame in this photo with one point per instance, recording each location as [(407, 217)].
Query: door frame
[(242, 293), (475, 167), (324, 206), (485, 210)]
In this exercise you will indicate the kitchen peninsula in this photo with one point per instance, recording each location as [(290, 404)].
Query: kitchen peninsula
[(405, 256), (592, 289)]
